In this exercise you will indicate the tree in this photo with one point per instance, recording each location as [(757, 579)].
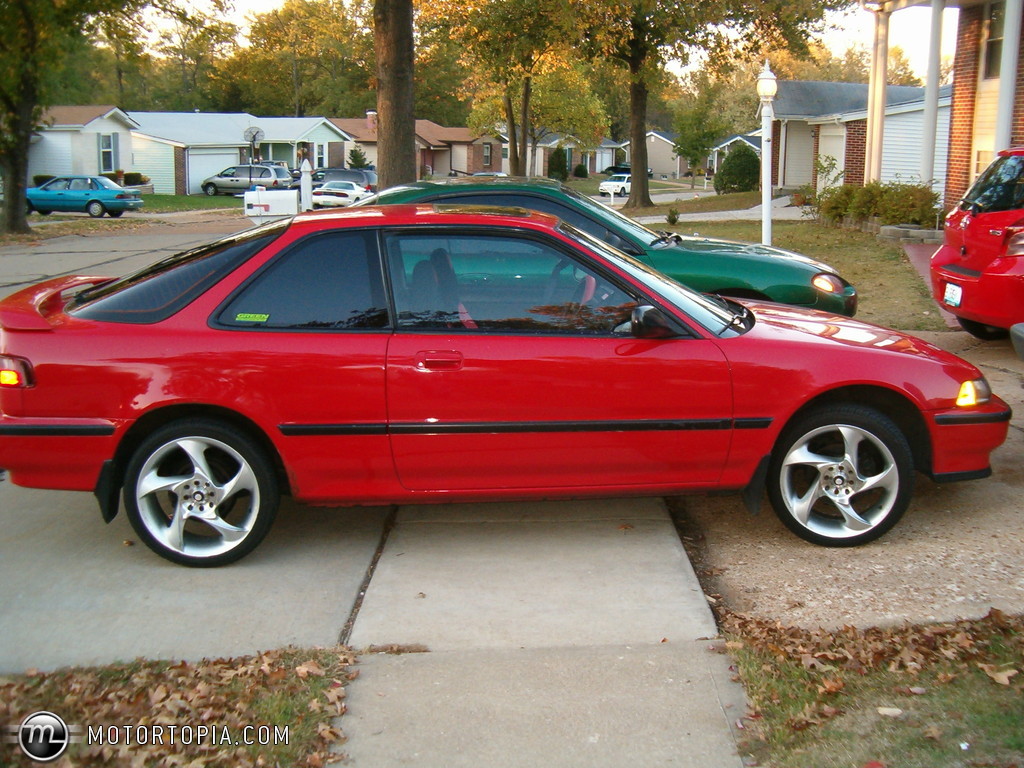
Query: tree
[(357, 158), (640, 34), (396, 121), (35, 36), (698, 128)]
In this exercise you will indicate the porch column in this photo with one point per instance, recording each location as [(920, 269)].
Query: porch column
[(931, 96), (1008, 73), (876, 92)]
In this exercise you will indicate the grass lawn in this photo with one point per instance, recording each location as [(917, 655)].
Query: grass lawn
[(176, 203)]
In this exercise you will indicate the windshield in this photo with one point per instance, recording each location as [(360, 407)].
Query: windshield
[(633, 228), (714, 316), (1000, 187)]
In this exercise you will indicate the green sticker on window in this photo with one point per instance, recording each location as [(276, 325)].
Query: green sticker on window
[(251, 317)]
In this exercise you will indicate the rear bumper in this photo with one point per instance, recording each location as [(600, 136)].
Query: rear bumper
[(993, 297), (57, 454), (962, 441)]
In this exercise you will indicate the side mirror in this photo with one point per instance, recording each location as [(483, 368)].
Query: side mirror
[(650, 322)]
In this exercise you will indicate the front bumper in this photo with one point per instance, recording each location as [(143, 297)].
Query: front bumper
[(963, 440)]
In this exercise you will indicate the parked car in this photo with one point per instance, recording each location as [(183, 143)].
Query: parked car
[(404, 354), (978, 274), (619, 184), (1017, 337), (711, 265), (334, 194), (95, 195), (366, 178), (239, 178), (611, 170)]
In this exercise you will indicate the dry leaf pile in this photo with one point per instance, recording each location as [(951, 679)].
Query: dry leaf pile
[(303, 690)]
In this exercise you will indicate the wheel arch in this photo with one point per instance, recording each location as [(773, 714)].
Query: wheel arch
[(903, 412), (160, 417)]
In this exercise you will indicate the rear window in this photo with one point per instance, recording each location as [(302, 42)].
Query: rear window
[(1000, 187), (158, 291)]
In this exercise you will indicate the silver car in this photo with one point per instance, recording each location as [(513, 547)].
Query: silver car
[(239, 178)]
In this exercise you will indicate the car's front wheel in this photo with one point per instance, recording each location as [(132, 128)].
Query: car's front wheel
[(841, 475), (210, 190), (95, 209), (200, 493)]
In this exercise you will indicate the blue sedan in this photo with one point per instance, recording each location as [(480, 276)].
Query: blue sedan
[(94, 195)]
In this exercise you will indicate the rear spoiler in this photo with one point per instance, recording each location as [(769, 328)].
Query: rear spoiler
[(28, 309)]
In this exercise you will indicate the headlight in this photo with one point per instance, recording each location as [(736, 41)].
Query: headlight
[(973, 393), (827, 283)]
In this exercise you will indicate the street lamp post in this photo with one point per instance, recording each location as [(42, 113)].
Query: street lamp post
[(767, 87)]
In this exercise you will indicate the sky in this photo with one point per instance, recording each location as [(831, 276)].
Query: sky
[(909, 29)]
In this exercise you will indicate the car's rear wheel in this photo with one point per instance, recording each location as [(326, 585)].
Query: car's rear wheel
[(210, 190), (95, 209), (841, 475), (982, 331), (200, 493), (115, 214)]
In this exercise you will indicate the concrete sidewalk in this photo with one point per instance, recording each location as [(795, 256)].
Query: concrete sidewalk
[(558, 634)]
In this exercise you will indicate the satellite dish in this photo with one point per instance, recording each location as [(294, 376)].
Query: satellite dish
[(253, 135)]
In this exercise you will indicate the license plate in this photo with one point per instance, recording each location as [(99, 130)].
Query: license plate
[(953, 295)]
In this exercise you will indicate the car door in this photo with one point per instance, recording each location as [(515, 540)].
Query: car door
[(513, 367), (52, 195), (78, 195), (314, 327)]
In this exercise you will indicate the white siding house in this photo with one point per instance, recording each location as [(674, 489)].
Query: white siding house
[(82, 140)]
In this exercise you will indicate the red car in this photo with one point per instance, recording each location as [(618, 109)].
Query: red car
[(410, 354), (978, 274)]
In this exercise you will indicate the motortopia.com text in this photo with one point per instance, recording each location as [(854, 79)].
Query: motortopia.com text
[(185, 735)]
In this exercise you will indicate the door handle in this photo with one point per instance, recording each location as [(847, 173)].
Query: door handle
[(438, 360)]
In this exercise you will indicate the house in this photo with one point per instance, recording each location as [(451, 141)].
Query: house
[(987, 100), (807, 110), (82, 140), (178, 150), (440, 150)]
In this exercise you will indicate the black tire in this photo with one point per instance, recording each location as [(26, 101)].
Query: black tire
[(210, 190), (823, 495), (200, 493), (95, 209), (982, 331), (115, 214)]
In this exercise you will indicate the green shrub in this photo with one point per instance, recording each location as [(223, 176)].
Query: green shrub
[(672, 217), (834, 202), (909, 204), (580, 171), (740, 171), (558, 167), (867, 201), (135, 179)]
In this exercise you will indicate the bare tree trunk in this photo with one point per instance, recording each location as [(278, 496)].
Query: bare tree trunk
[(524, 121), (640, 189), (396, 122), (14, 162), (515, 166)]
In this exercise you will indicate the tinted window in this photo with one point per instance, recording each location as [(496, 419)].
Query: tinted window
[(500, 283), (157, 292), (1000, 187), (330, 282), (56, 184)]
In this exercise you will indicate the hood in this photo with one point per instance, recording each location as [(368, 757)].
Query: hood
[(808, 325), (698, 244)]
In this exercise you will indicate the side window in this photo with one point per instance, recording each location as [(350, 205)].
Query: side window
[(326, 282), (57, 185), (228, 173), (500, 283)]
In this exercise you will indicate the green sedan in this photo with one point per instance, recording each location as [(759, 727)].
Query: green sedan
[(711, 265)]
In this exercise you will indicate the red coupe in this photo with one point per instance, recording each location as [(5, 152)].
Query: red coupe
[(448, 353)]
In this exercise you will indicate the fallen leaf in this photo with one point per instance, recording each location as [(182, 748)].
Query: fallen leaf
[(890, 711), (309, 668), (932, 732), (1001, 676)]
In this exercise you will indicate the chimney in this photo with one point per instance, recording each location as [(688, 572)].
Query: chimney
[(371, 119)]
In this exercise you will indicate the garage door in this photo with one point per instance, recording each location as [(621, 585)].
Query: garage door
[(204, 163)]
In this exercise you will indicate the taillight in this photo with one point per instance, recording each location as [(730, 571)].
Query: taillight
[(1015, 245), (15, 373)]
